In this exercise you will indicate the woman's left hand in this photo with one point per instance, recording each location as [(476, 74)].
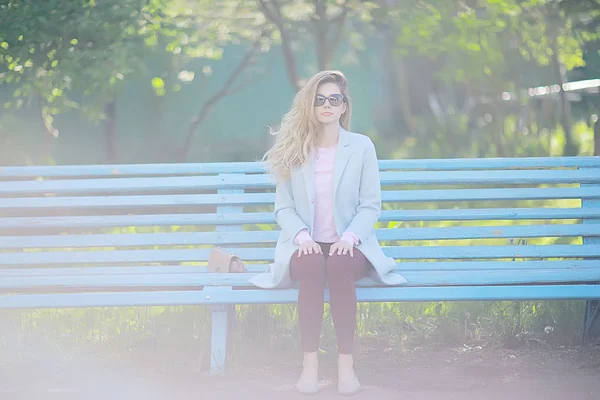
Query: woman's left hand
[(341, 247)]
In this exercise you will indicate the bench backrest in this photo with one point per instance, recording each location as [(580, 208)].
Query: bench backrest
[(478, 218)]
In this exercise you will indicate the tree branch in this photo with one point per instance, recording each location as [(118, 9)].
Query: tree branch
[(338, 21), (268, 13), (248, 81), (225, 90), (328, 32), (276, 17), (320, 29)]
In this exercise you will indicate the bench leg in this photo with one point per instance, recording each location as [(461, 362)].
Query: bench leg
[(218, 345), (219, 329), (591, 321), (222, 316)]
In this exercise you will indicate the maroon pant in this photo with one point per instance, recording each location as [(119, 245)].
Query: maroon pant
[(340, 272)]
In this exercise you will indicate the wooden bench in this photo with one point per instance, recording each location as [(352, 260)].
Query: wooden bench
[(448, 222)]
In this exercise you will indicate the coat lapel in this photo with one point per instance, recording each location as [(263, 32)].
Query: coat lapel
[(308, 174), (344, 150)]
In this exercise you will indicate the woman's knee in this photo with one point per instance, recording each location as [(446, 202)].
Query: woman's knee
[(345, 267), (308, 266)]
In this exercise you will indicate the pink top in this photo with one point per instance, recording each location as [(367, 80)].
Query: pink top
[(324, 223)]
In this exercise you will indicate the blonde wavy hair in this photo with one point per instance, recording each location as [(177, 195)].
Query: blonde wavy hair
[(297, 134)]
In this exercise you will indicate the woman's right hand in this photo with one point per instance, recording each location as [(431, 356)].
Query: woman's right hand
[(309, 247)]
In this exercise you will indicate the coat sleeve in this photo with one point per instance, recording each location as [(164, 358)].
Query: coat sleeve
[(285, 210), (369, 207)]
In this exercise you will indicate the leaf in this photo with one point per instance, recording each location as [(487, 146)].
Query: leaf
[(158, 83), (473, 47)]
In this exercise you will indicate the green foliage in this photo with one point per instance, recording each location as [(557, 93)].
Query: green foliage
[(48, 54), (91, 47), (480, 38), (183, 333), (454, 64)]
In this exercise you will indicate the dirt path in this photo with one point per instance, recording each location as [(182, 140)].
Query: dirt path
[(459, 373)]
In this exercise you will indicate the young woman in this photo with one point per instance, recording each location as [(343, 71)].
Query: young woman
[(327, 202)]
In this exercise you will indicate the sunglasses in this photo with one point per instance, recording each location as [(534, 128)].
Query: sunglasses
[(335, 100)]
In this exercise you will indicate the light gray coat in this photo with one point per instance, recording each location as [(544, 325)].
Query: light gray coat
[(357, 194)]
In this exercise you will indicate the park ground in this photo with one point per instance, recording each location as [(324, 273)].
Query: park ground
[(419, 373)]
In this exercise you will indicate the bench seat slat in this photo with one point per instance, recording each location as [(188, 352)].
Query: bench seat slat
[(258, 237), (255, 268), (195, 297), (103, 221), (415, 278), (251, 167), (137, 203), (262, 254), (234, 181)]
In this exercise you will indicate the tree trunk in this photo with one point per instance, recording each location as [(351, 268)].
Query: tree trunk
[(290, 59), (597, 134), (111, 132), (320, 25), (273, 14), (571, 148), (50, 130), (400, 98)]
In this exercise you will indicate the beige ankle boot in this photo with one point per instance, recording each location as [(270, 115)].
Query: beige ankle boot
[(309, 380), (347, 381)]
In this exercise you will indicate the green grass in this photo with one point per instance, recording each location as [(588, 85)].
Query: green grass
[(184, 332)]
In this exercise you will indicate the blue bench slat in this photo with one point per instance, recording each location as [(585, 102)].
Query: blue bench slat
[(135, 202), (102, 221), (405, 294), (415, 278), (258, 237), (138, 203), (154, 169), (461, 164), (234, 181), (251, 167), (256, 268), (129, 185), (260, 254)]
